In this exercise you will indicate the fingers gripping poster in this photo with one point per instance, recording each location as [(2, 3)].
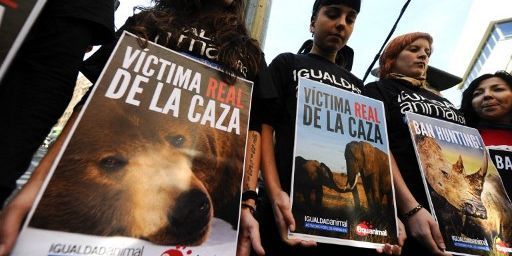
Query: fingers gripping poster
[(153, 167), (342, 190), (465, 192)]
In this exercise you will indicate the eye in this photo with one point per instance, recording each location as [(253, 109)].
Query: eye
[(351, 19), (177, 140), (477, 93), (332, 13), (113, 163)]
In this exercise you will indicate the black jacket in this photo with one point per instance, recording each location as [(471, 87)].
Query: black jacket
[(99, 12)]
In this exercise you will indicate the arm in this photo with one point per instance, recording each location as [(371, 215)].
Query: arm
[(249, 234), (421, 225), (280, 199), (15, 212)]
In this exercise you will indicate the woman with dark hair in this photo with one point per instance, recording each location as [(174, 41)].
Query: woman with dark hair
[(403, 88), (332, 23), (208, 30), (487, 106)]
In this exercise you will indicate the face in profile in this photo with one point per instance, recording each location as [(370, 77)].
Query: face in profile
[(332, 27), (492, 100), (412, 61)]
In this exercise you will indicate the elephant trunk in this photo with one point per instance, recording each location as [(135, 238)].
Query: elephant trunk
[(329, 180)]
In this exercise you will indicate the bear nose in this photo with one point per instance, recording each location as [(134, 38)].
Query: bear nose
[(191, 213)]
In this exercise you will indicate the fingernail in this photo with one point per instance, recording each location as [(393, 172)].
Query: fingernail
[(2, 248)]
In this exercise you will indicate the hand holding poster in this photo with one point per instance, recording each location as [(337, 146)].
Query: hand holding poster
[(340, 138), (464, 189), (154, 164)]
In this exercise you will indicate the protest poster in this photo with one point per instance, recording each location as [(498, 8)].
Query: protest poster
[(342, 189), (153, 166), (464, 190), (16, 19), (501, 156)]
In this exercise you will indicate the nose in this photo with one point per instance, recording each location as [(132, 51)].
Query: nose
[(341, 22), (422, 54), (487, 94), (191, 212)]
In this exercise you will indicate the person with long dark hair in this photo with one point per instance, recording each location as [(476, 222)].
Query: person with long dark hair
[(211, 31), (487, 106)]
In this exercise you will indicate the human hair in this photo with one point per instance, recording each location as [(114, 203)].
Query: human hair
[(466, 105), (388, 58), (168, 18), (354, 4)]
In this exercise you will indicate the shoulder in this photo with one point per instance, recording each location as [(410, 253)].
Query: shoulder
[(283, 58)]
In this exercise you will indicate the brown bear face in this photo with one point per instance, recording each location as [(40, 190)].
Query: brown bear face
[(125, 175)]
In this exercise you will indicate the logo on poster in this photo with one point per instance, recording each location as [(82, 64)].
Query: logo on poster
[(61, 249), (365, 228), (178, 251)]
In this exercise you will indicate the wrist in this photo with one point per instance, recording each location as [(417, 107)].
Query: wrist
[(249, 195), (411, 212), (248, 207)]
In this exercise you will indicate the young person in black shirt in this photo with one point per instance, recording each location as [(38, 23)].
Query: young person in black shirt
[(402, 88), (210, 31), (40, 81), (332, 23)]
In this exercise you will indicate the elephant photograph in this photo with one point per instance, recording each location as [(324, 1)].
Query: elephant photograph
[(341, 186), (372, 166), (310, 177)]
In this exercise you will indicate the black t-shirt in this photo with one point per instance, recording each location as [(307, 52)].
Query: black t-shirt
[(197, 43), (285, 70), (99, 12), (398, 98)]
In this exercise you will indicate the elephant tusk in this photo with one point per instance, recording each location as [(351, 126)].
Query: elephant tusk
[(355, 183)]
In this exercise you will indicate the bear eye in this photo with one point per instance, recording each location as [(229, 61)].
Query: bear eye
[(113, 163), (177, 140)]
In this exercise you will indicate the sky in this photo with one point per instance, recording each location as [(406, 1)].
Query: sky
[(443, 19), (289, 27)]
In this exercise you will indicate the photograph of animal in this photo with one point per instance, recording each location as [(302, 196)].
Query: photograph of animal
[(473, 203), (452, 181), (310, 177), (147, 176), (372, 164)]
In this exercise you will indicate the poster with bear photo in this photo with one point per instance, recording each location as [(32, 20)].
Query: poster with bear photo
[(153, 166), (16, 19), (342, 188), (465, 191)]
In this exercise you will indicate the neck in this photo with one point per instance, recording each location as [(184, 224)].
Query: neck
[(329, 55)]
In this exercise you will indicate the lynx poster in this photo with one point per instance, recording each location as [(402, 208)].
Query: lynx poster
[(464, 189), (16, 19), (342, 190), (153, 167)]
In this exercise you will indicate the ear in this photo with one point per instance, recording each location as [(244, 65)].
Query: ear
[(312, 26)]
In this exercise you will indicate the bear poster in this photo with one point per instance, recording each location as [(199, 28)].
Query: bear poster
[(342, 189), (465, 192), (153, 167), (16, 19)]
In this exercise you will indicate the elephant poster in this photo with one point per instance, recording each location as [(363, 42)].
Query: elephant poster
[(465, 191), (342, 189)]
